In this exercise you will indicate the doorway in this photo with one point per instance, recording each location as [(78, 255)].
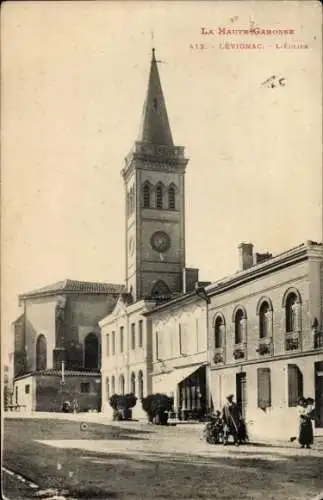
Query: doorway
[(318, 368), (241, 392)]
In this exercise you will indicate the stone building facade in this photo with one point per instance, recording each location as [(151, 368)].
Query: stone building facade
[(58, 336), (266, 338), (180, 355)]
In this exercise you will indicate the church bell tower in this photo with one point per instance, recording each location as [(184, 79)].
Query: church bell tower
[(153, 176)]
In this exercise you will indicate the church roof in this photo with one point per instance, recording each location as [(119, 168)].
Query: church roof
[(155, 127), (74, 286), (58, 373)]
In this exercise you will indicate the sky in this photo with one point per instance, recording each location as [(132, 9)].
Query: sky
[(74, 77)]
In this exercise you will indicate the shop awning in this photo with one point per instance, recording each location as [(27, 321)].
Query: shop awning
[(166, 383)]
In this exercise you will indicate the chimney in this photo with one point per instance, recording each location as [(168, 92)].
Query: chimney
[(245, 255), (190, 277), (261, 257)]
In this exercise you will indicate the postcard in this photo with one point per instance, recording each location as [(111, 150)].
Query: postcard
[(162, 258)]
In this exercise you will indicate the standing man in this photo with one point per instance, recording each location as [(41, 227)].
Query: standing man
[(232, 420)]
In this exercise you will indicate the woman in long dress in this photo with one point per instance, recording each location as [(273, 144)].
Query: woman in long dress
[(305, 412)]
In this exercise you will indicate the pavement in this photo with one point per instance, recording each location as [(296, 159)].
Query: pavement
[(190, 431)]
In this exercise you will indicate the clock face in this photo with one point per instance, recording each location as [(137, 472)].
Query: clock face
[(160, 241), (131, 246)]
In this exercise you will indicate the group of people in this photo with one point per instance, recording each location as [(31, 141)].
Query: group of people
[(306, 413), (227, 423), (70, 407)]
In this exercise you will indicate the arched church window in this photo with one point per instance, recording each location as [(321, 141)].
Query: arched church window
[(146, 196), (159, 197), (171, 198), (41, 353), (160, 289), (91, 352)]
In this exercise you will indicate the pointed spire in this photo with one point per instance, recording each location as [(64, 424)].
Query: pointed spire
[(155, 127)]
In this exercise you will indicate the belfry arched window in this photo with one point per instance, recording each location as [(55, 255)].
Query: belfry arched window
[(146, 196), (41, 353), (171, 198), (113, 385), (159, 197)]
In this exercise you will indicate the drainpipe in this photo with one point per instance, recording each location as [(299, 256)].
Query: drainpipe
[(202, 294)]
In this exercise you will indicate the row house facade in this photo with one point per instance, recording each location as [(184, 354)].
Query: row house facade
[(126, 362), (265, 337), (179, 354)]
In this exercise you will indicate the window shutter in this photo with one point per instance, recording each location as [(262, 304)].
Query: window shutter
[(264, 388), (295, 384)]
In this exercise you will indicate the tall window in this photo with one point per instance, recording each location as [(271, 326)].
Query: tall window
[(108, 344), (219, 332), (132, 199), (264, 320), (85, 387), (264, 388), (159, 197), (140, 333), (113, 385), (121, 338), (290, 309), (121, 384), (140, 385), (171, 198), (91, 352), (157, 346), (113, 342), (107, 388), (133, 336), (41, 353), (146, 196), (133, 383), (238, 326), (295, 384)]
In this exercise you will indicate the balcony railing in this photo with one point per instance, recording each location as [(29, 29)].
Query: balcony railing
[(218, 355), (318, 340), (265, 346), (239, 351), (292, 341)]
